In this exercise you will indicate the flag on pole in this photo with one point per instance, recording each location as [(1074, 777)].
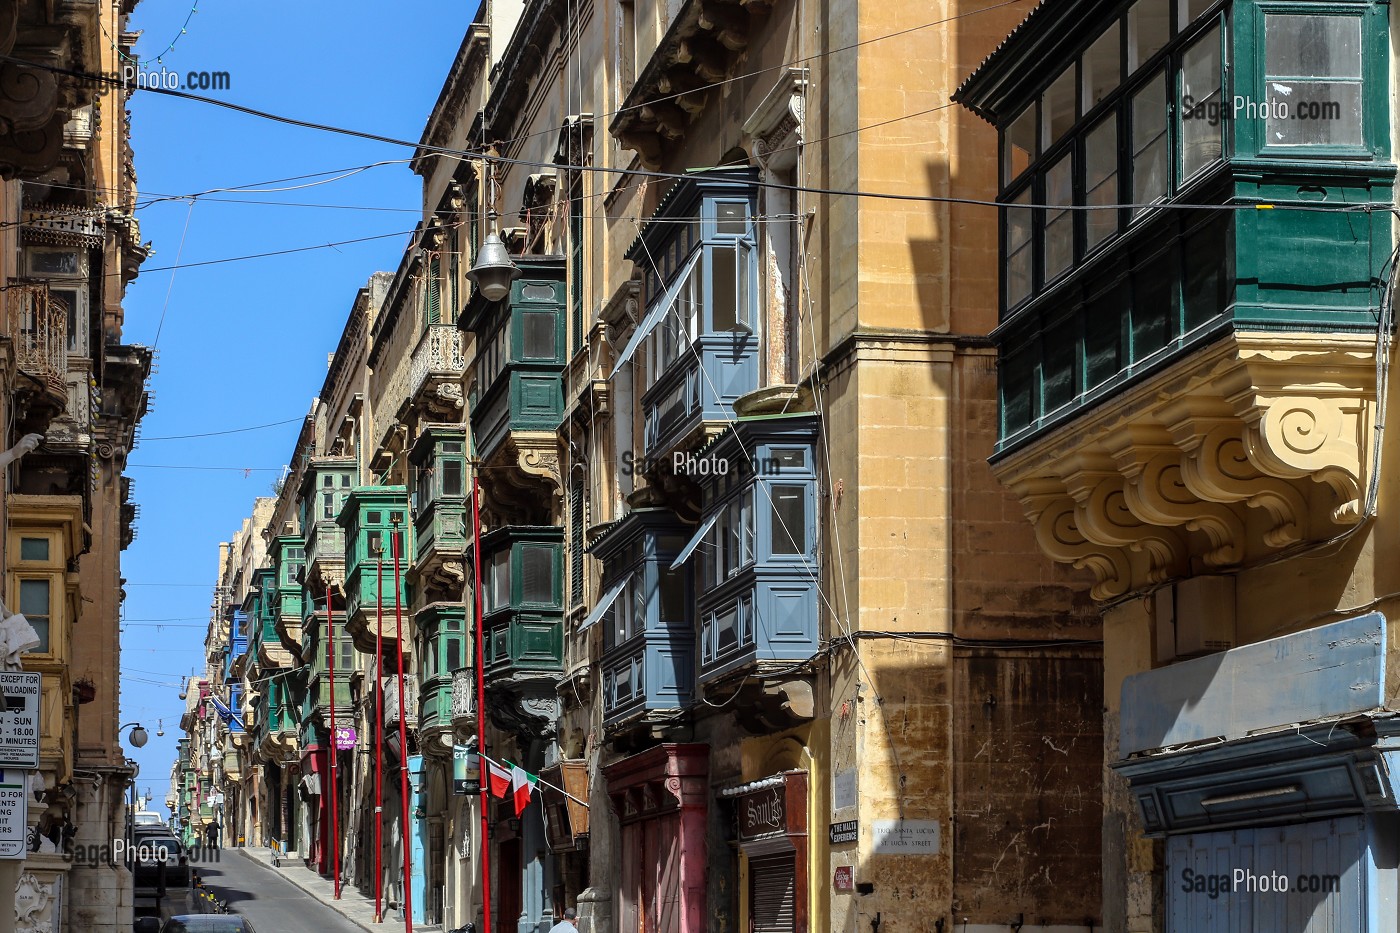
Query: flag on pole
[(500, 778), (522, 784)]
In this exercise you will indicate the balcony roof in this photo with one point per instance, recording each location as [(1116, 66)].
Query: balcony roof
[(1036, 49), (683, 200)]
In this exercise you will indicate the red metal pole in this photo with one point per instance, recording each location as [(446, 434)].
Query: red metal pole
[(479, 648), (403, 736), (379, 739), (331, 751)]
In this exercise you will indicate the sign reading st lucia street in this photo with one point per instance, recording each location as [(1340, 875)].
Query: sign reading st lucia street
[(14, 814), (19, 719)]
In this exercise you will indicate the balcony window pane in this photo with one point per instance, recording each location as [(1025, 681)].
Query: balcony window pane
[(1312, 65), (452, 477), (374, 545), (1153, 311), (724, 298), (1059, 224), (1201, 104), (54, 262), (789, 529), (672, 597), (1206, 278), (746, 554), (1149, 144), (1188, 11), (1102, 66), (537, 567), (346, 661), (538, 330), (1101, 181), (1102, 338), (34, 606), (1057, 107), (1018, 145), (327, 505), (1057, 379), (33, 549), (500, 580), (726, 631), (454, 654), (732, 217), (639, 605), (1149, 29), (1017, 391), (1018, 250)]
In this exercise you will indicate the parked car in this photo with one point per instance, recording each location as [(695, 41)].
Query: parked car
[(153, 849), (195, 923), (147, 818)]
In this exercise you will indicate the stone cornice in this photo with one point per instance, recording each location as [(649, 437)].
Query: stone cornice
[(1160, 482)]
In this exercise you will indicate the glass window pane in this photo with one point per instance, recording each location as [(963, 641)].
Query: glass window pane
[(672, 596), (1102, 338), (1149, 29), (1205, 286), (33, 548), (1103, 66), (1299, 45), (789, 531), (731, 217), (1188, 11), (1101, 180), (1018, 143), (1057, 106), (1153, 310), (1313, 113), (537, 565), (1018, 250), (34, 606), (53, 262), (454, 654), (538, 334), (1201, 104), (724, 300), (1149, 116), (1059, 225), (452, 477), (1057, 383)]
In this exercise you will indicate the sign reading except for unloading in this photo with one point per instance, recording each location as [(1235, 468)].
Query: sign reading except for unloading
[(14, 814), (905, 837), (19, 719)]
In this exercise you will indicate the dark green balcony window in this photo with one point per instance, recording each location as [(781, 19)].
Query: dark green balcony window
[(1312, 67)]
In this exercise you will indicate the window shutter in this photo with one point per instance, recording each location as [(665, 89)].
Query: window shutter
[(576, 543), (773, 903), (434, 290)]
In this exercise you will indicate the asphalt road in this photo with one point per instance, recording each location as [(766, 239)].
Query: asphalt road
[(270, 903)]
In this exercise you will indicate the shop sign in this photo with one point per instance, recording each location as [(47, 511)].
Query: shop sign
[(345, 738), (466, 771), (845, 831), (843, 879), (761, 813)]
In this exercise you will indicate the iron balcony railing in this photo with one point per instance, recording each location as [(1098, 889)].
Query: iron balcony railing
[(38, 324)]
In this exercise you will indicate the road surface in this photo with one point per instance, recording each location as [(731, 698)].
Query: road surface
[(270, 903)]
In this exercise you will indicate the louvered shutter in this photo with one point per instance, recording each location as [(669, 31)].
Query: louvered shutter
[(773, 894), (576, 543)]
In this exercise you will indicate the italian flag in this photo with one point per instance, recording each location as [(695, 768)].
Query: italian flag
[(522, 784), (499, 778)]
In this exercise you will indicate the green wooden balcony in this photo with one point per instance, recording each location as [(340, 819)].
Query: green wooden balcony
[(325, 486), (441, 499), (288, 556), (441, 651), (520, 355), (375, 522), (523, 601)]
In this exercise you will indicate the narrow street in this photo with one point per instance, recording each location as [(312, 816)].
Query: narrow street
[(270, 903)]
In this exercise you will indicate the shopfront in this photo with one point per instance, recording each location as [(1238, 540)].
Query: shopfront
[(771, 814)]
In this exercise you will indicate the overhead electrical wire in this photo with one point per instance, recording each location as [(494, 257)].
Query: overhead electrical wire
[(256, 427), (485, 157)]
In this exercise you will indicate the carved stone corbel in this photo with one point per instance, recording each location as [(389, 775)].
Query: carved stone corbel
[(1103, 517), (1052, 515)]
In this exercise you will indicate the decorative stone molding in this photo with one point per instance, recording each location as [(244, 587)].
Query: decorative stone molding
[(775, 125), (1161, 478)]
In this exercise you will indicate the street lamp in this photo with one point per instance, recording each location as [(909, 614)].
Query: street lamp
[(493, 271), (139, 735)]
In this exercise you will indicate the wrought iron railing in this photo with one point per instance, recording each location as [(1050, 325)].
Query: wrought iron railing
[(38, 324)]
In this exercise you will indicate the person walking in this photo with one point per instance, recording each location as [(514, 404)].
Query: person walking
[(567, 924)]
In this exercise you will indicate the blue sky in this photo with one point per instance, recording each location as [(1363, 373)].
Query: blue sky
[(245, 343)]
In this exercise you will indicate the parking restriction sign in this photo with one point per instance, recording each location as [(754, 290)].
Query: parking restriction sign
[(19, 719)]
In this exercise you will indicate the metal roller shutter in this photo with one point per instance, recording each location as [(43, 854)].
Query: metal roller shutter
[(773, 894)]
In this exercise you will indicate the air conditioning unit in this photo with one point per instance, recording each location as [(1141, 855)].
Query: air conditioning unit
[(1193, 617)]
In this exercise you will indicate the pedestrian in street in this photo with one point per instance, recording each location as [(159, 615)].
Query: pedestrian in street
[(567, 924)]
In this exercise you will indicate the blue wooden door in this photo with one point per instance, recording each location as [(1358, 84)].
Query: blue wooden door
[(1302, 878)]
